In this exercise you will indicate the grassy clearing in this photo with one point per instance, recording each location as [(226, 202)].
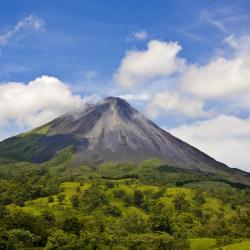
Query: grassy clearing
[(170, 192), (69, 188), (238, 246), (202, 244)]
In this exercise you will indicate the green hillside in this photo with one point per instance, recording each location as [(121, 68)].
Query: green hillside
[(119, 206)]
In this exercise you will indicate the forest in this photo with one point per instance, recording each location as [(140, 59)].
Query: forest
[(149, 205)]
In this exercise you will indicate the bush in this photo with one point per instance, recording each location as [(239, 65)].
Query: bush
[(114, 211), (138, 198), (119, 193), (60, 198), (72, 225), (51, 199)]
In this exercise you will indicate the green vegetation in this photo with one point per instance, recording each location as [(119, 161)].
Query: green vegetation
[(239, 246), (202, 243), (54, 205)]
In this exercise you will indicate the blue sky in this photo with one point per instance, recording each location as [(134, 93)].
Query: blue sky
[(182, 63), (92, 35)]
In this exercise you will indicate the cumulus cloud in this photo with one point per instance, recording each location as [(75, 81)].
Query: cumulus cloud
[(225, 78), (29, 22), (36, 102), (158, 60), (221, 77), (173, 103), (227, 138)]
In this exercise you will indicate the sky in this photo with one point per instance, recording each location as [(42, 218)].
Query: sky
[(184, 64)]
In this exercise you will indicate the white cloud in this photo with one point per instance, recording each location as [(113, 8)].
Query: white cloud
[(187, 88), (159, 60), (221, 77), (173, 103), (36, 102), (140, 35), (227, 138), (29, 22)]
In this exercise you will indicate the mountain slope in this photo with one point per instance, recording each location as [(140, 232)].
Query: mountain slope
[(111, 130)]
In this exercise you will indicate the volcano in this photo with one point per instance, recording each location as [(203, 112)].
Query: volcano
[(111, 130)]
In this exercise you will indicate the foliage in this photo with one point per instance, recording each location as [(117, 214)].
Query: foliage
[(119, 206)]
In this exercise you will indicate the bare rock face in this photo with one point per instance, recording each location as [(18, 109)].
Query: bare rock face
[(112, 130)]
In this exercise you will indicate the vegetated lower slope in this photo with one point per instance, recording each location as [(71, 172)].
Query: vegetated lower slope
[(111, 130), (148, 205)]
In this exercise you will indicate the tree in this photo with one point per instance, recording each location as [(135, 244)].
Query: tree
[(180, 203), (62, 241), (161, 223), (5, 241), (74, 200), (244, 220), (94, 197), (198, 213), (148, 241), (135, 223), (199, 198), (92, 240), (119, 193), (3, 211), (60, 198), (48, 215), (78, 189), (138, 198), (22, 237), (51, 199), (72, 225), (114, 211)]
